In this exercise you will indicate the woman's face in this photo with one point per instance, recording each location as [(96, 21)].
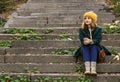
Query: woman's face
[(87, 20)]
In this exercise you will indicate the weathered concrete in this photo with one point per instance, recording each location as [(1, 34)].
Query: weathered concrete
[(52, 50), (74, 77), (59, 36), (2, 51), (2, 59), (55, 68), (57, 1), (48, 58), (57, 43)]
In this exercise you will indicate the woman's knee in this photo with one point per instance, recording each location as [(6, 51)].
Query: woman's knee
[(94, 46)]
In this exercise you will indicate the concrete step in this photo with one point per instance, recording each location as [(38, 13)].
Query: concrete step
[(30, 19), (57, 43), (38, 25), (70, 35), (74, 77), (57, 1), (42, 16), (73, 20), (42, 68), (2, 52), (48, 30), (47, 58), (69, 14), (36, 51), (67, 77), (69, 7), (62, 6), (54, 67), (40, 58), (44, 43), (43, 25), (51, 21), (44, 30), (98, 12), (23, 12)]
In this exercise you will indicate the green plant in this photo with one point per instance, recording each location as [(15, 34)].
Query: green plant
[(29, 37), (64, 52), (2, 24), (19, 31), (55, 80), (5, 44), (34, 70), (61, 79), (83, 79), (112, 28), (6, 6), (49, 79), (10, 78), (48, 31), (64, 32), (116, 6), (65, 38), (116, 56), (43, 79), (20, 1), (115, 51), (79, 69), (5, 78), (65, 79), (21, 78)]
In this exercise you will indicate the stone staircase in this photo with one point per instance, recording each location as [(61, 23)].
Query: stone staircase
[(56, 23), (58, 13)]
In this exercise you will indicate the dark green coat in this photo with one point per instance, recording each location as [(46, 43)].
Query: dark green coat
[(96, 36)]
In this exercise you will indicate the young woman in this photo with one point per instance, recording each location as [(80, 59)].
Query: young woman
[(90, 36)]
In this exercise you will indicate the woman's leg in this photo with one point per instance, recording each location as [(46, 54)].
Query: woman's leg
[(86, 53), (86, 57), (93, 53), (93, 59)]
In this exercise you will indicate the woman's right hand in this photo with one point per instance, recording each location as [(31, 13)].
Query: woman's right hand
[(86, 41)]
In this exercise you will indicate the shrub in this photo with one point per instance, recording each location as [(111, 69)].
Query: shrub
[(7, 7), (116, 6)]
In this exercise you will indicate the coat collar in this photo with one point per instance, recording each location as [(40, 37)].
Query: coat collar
[(87, 33)]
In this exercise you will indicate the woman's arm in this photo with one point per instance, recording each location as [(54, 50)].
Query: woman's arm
[(84, 40), (81, 36), (97, 37)]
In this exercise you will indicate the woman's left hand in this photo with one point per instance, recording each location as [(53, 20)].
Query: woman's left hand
[(90, 41)]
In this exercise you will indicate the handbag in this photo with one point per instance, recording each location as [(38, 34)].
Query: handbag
[(102, 55)]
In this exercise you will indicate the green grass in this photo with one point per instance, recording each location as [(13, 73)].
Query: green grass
[(5, 44), (19, 31)]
